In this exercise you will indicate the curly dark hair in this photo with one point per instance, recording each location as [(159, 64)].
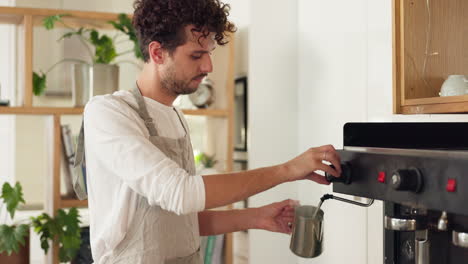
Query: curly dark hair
[(164, 21)]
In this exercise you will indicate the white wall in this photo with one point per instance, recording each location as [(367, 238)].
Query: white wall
[(332, 91), (273, 111)]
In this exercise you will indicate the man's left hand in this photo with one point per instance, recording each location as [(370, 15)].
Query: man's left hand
[(277, 217)]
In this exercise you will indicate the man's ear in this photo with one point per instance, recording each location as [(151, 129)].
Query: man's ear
[(156, 52)]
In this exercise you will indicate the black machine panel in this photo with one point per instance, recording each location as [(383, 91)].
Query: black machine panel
[(436, 183)]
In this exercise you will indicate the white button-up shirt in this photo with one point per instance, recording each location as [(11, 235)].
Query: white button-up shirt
[(122, 163)]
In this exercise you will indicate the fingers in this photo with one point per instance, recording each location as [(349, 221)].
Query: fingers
[(329, 154), (288, 202), (288, 223), (284, 218), (285, 225), (318, 178), (323, 148), (287, 211), (334, 159), (325, 168), (287, 207)]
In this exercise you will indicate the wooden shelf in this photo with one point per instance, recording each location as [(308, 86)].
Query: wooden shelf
[(207, 112), (67, 203), (41, 110), (15, 15), (436, 105), (79, 110)]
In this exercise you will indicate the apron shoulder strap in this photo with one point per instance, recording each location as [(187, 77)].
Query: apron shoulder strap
[(79, 157), (79, 167), (182, 120), (143, 111)]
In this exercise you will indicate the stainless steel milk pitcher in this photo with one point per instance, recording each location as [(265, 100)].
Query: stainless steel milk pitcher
[(308, 227), (307, 234)]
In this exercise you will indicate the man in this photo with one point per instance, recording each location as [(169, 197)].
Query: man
[(146, 203)]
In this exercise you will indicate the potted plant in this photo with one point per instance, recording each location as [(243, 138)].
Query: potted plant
[(62, 229), (14, 238), (100, 70), (205, 163)]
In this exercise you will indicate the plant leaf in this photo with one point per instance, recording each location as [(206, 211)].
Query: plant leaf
[(7, 239), (66, 35), (116, 25), (70, 239), (124, 24), (105, 49), (39, 83), (78, 32), (11, 237), (43, 225), (21, 232), (12, 197), (49, 22)]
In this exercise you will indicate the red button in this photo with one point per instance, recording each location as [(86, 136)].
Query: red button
[(451, 185), (381, 177)]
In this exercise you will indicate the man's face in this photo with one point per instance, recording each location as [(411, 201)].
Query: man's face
[(183, 71)]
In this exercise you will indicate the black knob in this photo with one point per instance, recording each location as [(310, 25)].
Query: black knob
[(407, 180), (346, 173)]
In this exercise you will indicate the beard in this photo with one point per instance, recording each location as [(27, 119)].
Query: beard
[(177, 87)]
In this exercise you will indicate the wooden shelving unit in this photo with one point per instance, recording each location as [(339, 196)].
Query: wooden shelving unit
[(207, 112), (15, 15), (41, 110), (27, 18), (67, 203), (79, 110), (429, 43)]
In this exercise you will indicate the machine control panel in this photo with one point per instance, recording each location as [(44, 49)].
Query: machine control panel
[(432, 182)]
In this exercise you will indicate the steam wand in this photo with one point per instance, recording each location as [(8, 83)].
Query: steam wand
[(330, 196)]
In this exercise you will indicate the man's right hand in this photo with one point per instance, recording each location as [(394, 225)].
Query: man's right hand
[(305, 165)]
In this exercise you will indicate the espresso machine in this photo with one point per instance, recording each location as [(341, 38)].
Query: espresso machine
[(420, 172)]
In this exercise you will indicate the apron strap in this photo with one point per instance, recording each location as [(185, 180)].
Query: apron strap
[(80, 151), (143, 111), (79, 167), (182, 121)]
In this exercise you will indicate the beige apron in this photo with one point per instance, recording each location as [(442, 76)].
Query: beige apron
[(158, 236)]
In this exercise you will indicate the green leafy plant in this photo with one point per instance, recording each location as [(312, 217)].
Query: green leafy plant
[(63, 229), (12, 236), (105, 51), (205, 160)]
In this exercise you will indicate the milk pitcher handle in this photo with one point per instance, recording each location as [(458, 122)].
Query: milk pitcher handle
[(330, 196)]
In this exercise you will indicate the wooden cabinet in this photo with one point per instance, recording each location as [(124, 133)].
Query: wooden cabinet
[(26, 19), (430, 43)]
